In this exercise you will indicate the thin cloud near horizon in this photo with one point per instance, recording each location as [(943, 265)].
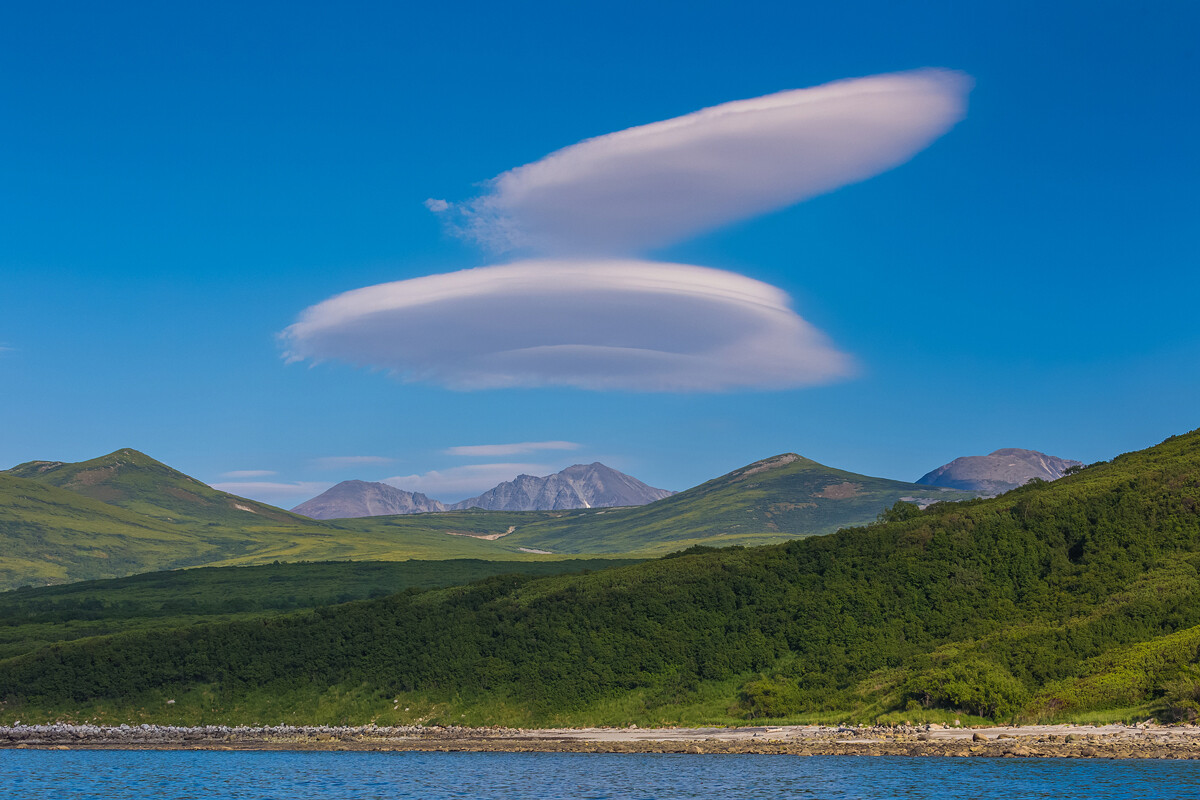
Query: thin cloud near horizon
[(256, 489), (457, 483), (516, 448), (249, 473), (342, 462)]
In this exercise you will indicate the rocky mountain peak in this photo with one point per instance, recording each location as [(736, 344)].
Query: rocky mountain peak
[(998, 472), (364, 499)]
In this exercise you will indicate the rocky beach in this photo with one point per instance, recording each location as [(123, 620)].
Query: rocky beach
[(1041, 741)]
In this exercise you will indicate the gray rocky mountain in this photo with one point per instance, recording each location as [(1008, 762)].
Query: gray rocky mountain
[(578, 486), (997, 472), (363, 499)]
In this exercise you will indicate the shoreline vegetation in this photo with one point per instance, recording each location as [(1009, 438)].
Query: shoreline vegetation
[(1146, 740)]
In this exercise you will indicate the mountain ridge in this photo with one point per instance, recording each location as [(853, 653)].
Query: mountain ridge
[(999, 471), (353, 499), (577, 486), (784, 496)]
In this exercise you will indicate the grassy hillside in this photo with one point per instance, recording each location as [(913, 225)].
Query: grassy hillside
[(33, 618), (52, 535), (770, 500), (135, 481), (1078, 597)]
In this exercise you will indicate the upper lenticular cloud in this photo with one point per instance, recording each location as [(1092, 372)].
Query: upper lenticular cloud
[(657, 184), (595, 324)]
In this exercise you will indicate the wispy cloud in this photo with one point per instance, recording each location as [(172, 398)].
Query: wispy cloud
[(249, 473), (460, 482), (609, 325), (343, 462), (656, 184), (272, 492), (514, 449)]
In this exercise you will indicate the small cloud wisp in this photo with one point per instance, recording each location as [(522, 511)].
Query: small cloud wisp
[(458, 483), (345, 462), (514, 449)]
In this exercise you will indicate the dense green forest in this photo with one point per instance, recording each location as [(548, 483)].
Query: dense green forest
[(1055, 600), (34, 617)]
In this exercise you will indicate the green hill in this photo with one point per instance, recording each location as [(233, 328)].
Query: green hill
[(1078, 597), (137, 482), (774, 499), (52, 535)]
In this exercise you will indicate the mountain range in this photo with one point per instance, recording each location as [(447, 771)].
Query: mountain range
[(126, 513), (998, 472), (579, 486)]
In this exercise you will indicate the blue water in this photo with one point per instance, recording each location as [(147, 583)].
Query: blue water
[(176, 775)]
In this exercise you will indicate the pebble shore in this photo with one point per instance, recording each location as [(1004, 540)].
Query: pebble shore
[(1056, 741)]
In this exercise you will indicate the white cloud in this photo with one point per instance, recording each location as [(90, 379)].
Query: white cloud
[(605, 325), (342, 462), (461, 482), (516, 448), (437, 206), (248, 473), (660, 183), (273, 493)]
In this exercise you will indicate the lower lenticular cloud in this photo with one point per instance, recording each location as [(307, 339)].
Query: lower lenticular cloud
[(660, 183), (604, 325)]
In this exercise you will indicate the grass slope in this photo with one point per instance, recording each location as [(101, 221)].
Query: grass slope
[(135, 481), (35, 617), (1076, 598), (774, 499), (48, 534)]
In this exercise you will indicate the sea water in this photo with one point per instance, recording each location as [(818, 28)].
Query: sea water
[(176, 775)]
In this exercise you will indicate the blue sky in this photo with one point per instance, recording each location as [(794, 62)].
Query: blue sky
[(178, 183)]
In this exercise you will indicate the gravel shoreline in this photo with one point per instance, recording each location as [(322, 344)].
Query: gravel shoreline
[(1042, 741)]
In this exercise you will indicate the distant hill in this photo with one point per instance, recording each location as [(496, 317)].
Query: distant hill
[(53, 535), (776, 498), (998, 472), (135, 481), (351, 499), (579, 486)]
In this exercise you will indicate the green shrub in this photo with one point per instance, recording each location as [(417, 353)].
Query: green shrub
[(974, 686)]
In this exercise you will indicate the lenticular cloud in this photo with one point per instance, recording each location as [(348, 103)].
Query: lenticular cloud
[(596, 324), (657, 184)]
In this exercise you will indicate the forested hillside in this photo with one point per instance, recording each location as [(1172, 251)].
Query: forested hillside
[(1055, 599)]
